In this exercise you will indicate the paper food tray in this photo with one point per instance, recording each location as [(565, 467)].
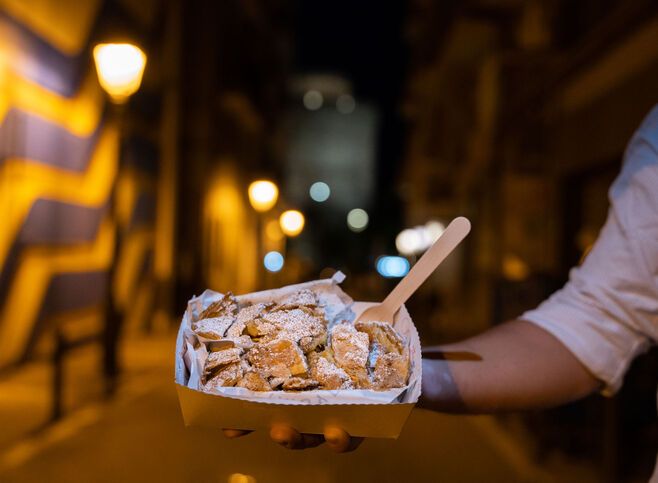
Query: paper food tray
[(359, 412)]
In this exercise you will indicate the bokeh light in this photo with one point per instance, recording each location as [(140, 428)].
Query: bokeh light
[(319, 191), (263, 195), (413, 241), (313, 100), (392, 267), (292, 222), (345, 104), (273, 261), (120, 68), (357, 220), (241, 478), (434, 229), (514, 268), (408, 241)]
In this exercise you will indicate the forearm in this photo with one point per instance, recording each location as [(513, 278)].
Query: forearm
[(514, 366)]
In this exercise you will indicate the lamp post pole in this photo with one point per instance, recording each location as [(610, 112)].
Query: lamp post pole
[(120, 67)]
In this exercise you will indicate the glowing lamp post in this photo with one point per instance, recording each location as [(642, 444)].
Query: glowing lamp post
[(263, 195), (120, 68), (292, 222)]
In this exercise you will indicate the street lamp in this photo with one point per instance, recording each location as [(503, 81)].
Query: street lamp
[(263, 195), (120, 67), (292, 222)]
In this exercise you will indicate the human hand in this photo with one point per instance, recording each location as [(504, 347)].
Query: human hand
[(336, 438)]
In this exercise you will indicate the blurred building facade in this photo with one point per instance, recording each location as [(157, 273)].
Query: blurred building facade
[(80, 180), (94, 197), (237, 57), (518, 115)]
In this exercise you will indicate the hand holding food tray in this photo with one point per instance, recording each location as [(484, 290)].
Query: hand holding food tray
[(295, 356), (298, 356)]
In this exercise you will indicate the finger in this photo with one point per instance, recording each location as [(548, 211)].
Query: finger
[(285, 436), (339, 440), (292, 439), (235, 433)]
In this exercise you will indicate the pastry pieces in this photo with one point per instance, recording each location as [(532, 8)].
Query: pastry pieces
[(350, 351), (288, 345), (226, 306), (296, 324), (328, 374), (383, 334), (303, 297), (278, 358), (217, 318), (246, 315), (218, 360), (212, 328), (299, 384), (253, 381), (228, 375), (388, 361)]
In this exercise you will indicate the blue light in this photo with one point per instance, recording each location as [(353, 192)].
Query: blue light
[(273, 261), (320, 191), (392, 267)]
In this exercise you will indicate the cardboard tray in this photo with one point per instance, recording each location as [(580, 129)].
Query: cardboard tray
[(384, 420)]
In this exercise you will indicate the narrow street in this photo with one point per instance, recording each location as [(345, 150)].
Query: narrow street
[(139, 436)]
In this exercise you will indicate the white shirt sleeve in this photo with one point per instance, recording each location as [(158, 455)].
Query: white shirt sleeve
[(607, 313)]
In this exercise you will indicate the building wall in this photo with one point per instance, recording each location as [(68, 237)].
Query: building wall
[(59, 160)]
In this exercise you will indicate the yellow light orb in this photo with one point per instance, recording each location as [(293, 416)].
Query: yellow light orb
[(263, 195), (291, 222), (120, 68)]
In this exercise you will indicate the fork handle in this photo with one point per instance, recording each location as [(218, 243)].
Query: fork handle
[(446, 243)]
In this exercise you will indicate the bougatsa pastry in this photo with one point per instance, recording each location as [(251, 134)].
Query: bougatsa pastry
[(278, 358), (350, 351), (299, 384), (226, 306), (216, 319), (383, 334), (246, 315), (213, 328), (303, 297), (388, 361), (287, 345), (228, 375), (328, 374), (221, 358), (261, 328), (253, 381), (296, 324), (390, 370)]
